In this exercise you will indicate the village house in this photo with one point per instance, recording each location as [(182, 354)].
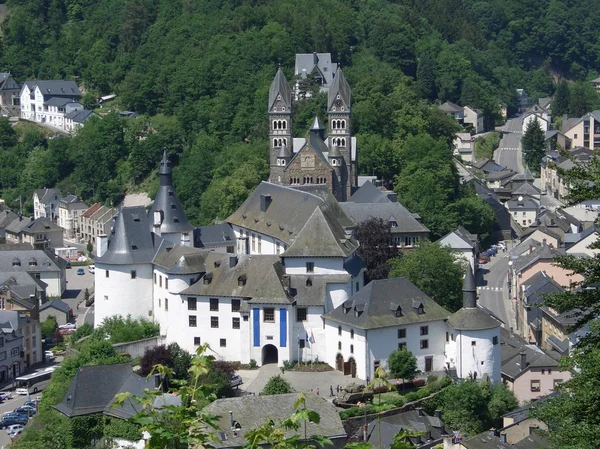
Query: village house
[(464, 146), (9, 95), (474, 119), (70, 207), (584, 131), (47, 102), (523, 210), (553, 163), (56, 308), (95, 221), (31, 351), (313, 67), (531, 298), (463, 244), (45, 203), (40, 233), (556, 330)]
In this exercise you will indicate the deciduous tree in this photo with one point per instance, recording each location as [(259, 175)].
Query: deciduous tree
[(376, 248), (402, 364)]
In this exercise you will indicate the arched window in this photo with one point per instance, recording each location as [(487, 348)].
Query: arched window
[(343, 124), (351, 333), (274, 124), (339, 345), (343, 142), (282, 161), (333, 124), (351, 349), (284, 123), (274, 142), (285, 141), (339, 330)]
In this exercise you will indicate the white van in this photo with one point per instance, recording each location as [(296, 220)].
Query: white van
[(92, 269)]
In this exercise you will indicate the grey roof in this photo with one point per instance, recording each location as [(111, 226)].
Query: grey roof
[(368, 193), (543, 252), (4, 84), (375, 306), (79, 115), (214, 236), (339, 87), (257, 277), (334, 151), (308, 290), (47, 195), (486, 441), (130, 241), (288, 211), (178, 259), (317, 125), (535, 357), (93, 390), (284, 151), (562, 346), (488, 166), (56, 304), (59, 101), (388, 211), (527, 189), (6, 218), (252, 411), (174, 219), (41, 224), (46, 261), (499, 175), (450, 107), (538, 285), (465, 241), (56, 88), (306, 63), (526, 204), (280, 86), (431, 427), (16, 318), (16, 226)]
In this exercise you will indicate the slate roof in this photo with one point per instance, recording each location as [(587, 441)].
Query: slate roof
[(431, 427), (457, 240), (56, 304), (543, 252), (130, 241), (313, 293), (368, 193), (79, 115), (339, 86), (307, 62), (488, 166), (46, 261), (59, 102), (93, 390), (214, 236), (499, 175), (526, 204), (486, 441), (258, 277), (4, 76), (535, 357), (280, 86), (47, 195), (450, 107), (174, 219), (55, 88), (527, 189), (178, 259), (375, 306), (41, 224), (6, 218), (389, 211), (288, 212), (252, 411)]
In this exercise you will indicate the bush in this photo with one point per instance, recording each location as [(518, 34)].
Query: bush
[(252, 364), (49, 327), (81, 332), (412, 396), (159, 355), (431, 379), (277, 385)]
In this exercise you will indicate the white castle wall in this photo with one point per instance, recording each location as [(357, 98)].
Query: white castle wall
[(484, 357)]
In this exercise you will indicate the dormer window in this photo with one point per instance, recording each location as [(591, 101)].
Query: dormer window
[(32, 262), (242, 280), (16, 263), (170, 192), (393, 224), (398, 312), (420, 310), (173, 206), (136, 217), (133, 247), (207, 278), (217, 264), (175, 220)]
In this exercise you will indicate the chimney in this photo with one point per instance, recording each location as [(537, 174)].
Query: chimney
[(157, 221), (285, 280), (523, 360), (101, 245), (265, 202), (492, 432), (544, 242), (233, 260), (531, 248), (503, 437), (231, 419), (420, 411), (365, 433), (185, 239)]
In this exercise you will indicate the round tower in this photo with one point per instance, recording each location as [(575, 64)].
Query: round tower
[(474, 346)]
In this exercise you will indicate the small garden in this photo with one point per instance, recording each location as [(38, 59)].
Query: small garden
[(316, 366)]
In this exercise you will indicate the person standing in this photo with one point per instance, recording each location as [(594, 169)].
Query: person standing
[(330, 391)]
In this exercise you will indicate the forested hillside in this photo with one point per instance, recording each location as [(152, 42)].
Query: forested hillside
[(200, 70)]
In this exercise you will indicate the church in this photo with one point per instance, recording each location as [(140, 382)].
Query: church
[(316, 159)]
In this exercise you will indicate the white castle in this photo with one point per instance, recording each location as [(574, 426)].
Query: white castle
[(280, 280)]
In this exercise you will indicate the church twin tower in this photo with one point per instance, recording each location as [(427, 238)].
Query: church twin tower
[(315, 159)]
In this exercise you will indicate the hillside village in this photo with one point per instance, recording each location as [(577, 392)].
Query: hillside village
[(430, 287)]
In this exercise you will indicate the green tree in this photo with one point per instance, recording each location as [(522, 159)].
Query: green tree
[(89, 248), (533, 144), (277, 385), (403, 365), (426, 69), (433, 269), (49, 327), (560, 101), (8, 136), (583, 98), (376, 248)]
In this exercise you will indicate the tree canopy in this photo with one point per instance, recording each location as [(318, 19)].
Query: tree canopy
[(402, 364), (534, 144)]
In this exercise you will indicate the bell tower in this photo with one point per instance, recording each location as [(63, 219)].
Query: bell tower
[(280, 126), (339, 107)]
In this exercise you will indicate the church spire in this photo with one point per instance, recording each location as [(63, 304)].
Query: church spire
[(280, 93), (469, 290), (339, 97)]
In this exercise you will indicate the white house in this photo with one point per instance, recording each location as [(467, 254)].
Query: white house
[(464, 146), (45, 203), (474, 117), (542, 119), (582, 245), (463, 245), (70, 207), (523, 210)]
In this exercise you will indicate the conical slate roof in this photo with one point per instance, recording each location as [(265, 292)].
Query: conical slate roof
[(339, 86), (317, 125), (284, 151), (334, 151), (280, 86), (174, 218)]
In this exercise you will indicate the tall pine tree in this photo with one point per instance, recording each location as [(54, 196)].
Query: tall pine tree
[(560, 102), (533, 145)]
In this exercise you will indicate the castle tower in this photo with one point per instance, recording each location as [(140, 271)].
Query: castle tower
[(474, 347), (336, 160), (167, 217), (339, 107), (280, 124)]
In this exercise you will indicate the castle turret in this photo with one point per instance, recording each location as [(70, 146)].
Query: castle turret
[(474, 346), (280, 123), (167, 217)]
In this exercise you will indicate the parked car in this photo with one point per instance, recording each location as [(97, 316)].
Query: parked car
[(67, 326), (484, 257), (14, 427), (492, 251), (30, 404), (10, 420), (502, 246), (4, 395), (49, 355), (15, 433), (92, 269), (26, 410), (80, 271), (235, 381)]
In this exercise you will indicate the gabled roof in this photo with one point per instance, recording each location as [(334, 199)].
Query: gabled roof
[(45, 260), (537, 286), (368, 193), (47, 195), (499, 175), (280, 86), (527, 189), (450, 107), (388, 427), (6, 218), (525, 204), (131, 241), (56, 304), (456, 240), (488, 166), (91, 210), (405, 220), (376, 304), (174, 219), (339, 87), (212, 236), (485, 440), (79, 115), (41, 224), (178, 259), (543, 252), (251, 411), (55, 88), (535, 357), (93, 390), (306, 63)]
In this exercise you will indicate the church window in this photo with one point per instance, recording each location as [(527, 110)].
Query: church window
[(274, 124), (343, 124), (351, 333), (283, 162), (342, 108), (284, 123), (343, 142), (333, 124), (274, 142)]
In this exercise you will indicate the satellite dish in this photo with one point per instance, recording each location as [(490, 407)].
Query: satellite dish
[(520, 198)]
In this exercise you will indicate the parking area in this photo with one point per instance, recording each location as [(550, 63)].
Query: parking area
[(255, 380), (76, 285)]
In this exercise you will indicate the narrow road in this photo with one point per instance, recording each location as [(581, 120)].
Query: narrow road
[(509, 153)]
